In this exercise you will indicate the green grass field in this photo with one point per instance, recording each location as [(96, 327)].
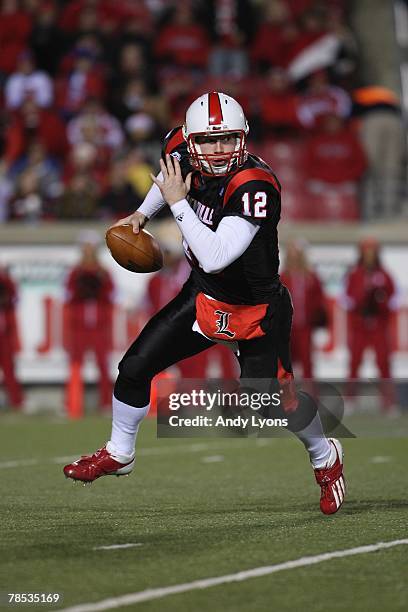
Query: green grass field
[(200, 508)]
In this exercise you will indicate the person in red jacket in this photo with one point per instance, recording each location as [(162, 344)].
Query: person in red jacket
[(279, 104), (308, 304), (15, 30), (370, 300), (88, 323), (334, 155), (183, 42), (82, 81), (9, 339), (32, 124)]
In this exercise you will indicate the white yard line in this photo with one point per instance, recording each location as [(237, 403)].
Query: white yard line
[(380, 459), (117, 546), (143, 452), (205, 583), (212, 459), (18, 463)]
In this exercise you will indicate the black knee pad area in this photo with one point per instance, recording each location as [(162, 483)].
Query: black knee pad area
[(133, 382)]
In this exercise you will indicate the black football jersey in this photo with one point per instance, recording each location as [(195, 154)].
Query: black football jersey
[(253, 193)]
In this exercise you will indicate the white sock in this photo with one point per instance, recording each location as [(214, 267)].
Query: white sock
[(125, 424), (316, 443)]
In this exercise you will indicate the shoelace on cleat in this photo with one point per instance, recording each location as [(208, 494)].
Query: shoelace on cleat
[(91, 458)]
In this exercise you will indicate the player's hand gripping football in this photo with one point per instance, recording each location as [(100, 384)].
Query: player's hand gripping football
[(172, 187), (137, 220)]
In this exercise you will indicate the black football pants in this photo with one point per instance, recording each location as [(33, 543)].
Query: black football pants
[(168, 338)]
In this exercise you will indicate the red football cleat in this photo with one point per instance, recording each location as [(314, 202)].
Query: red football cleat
[(332, 482), (90, 467)]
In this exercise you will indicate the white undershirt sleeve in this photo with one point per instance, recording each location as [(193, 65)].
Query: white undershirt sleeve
[(214, 250), (153, 201)]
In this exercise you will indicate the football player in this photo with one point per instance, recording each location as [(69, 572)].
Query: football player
[(226, 203)]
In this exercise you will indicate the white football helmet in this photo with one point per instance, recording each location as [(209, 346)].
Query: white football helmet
[(216, 114)]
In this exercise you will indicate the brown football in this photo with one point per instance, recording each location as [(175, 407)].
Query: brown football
[(134, 252)]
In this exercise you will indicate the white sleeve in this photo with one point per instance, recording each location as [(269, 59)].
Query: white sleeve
[(153, 201), (214, 250)]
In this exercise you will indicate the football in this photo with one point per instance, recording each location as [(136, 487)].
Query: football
[(134, 252)]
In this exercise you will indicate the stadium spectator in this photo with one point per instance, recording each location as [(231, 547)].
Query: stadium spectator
[(308, 304), (138, 171), (15, 29), (96, 126), (279, 104), (136, 29), (183, 42), (344, 70), (32, 124), (28, 83), (32, 200), (6, 192), (131, 65), (91, 15), (321, 98), (9, 344), (370, 300), (231, 24), (120, 198), (132, 99), (80, 197), (381, 132), (139, 109), (132, 82), (177, 88), (111, 16), (84, 80), (46, 168), (313, 48), (273, 36), (334, 155), (85, 160), (46, 41), (88, 323)]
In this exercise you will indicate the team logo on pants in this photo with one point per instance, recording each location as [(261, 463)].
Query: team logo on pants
[(222, 323)]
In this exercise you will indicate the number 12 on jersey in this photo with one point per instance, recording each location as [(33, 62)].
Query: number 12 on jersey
[(258, 206)]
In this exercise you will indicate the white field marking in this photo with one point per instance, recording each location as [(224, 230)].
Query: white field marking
[(263, 441), (116, 546), (143, 452), (380, 459), (205, 583), (18, 463), (212, 459)]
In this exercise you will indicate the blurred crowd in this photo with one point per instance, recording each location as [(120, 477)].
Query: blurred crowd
[(90, 87)]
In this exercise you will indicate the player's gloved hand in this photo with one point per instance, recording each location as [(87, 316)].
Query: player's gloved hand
[(173, 187), (137, 220)]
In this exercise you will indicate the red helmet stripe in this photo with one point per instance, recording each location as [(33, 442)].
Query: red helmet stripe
[(175, 140), (214, 109)]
